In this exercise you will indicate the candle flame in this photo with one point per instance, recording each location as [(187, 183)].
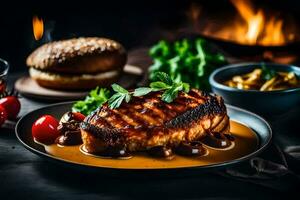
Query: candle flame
[(38, 27)]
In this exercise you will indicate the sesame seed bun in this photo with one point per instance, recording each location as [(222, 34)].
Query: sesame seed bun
[(79, 55), (77, 64)]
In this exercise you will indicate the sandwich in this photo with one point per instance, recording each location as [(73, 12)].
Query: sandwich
[(77, 64)]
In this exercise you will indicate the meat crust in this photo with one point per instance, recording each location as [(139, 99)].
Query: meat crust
[(147, 121)]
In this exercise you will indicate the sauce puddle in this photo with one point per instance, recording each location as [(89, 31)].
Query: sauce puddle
[(245, 143)]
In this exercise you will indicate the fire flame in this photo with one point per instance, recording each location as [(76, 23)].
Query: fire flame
[(251, 26), (38, 27), (258, 30)]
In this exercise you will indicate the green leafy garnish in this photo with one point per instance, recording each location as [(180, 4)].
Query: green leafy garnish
[(267, 73), (189, 61), (120, 95), (142, 91), (163, 77), (95, 99), (98, 96), (158, 85), (164, 82)]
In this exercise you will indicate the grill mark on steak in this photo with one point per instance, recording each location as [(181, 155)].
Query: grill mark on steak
[(211, 106), (225, 125), (156, 103), (122, 119), (145, 116), (137, 115), (180, 115), (153, 111), (217, 124), (104, 122)]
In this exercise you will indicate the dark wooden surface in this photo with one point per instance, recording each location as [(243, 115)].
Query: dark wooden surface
[(23, 175)]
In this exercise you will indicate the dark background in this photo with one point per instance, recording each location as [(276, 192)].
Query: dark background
[(133, 23)]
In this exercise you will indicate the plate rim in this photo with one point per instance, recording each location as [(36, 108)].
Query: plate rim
[(204, 167)]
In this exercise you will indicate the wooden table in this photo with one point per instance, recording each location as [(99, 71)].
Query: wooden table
[(24, 175)]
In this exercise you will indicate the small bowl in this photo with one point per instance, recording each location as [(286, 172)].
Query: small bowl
[(266, 103)]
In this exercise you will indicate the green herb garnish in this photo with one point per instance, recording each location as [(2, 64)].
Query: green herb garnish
[(267, 73), (189, 61), (164, 82), (120, 95), (96, 98), (99, 96)]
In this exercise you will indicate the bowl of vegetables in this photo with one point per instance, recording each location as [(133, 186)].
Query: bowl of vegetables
[(265, 88)]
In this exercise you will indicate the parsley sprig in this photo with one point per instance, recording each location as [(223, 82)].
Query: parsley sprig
[(99, 96), (121, 94), (163, 83), (96, 98)]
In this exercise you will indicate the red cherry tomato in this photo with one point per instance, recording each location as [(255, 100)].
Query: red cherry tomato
[(78, 116), (44, 130), (3, 115), (12, 106)]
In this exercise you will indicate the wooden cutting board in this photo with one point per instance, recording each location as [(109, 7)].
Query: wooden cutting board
[(29, 88)]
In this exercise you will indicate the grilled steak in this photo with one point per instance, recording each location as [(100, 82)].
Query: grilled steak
[(147, 121)]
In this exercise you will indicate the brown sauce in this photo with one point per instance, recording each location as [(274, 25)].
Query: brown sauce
[(111, 153), (245, 142)]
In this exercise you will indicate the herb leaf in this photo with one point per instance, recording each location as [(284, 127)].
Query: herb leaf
[(186, 87), (121, 94), (127, 97), (142, 91), (119, 89), (164, 77), (99, 96), (170, 94), (158, 85), (96, 98), (116, 100)]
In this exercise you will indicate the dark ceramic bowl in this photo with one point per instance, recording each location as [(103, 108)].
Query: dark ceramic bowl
[(268, 103)]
